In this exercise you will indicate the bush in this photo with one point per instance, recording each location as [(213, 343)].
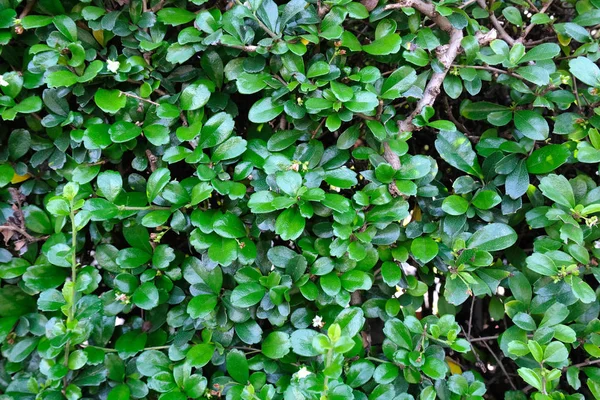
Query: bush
[(308, 200)]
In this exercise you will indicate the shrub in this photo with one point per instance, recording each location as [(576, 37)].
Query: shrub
[(307, 200)]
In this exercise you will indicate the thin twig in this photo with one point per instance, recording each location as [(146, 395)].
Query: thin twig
[(314, 134), (158, 6), (576, 92), (531, 25), (135, 96), (501, 365), (491, 69), (471, 316), (247, 48), (584, 364), (446, 55), (495, 22), (28, 7), (23, 233)]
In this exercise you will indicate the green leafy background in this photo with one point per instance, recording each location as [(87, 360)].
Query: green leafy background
[(299, 200)]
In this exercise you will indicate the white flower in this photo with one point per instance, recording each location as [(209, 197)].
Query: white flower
[(597, 244), (113, 66), (552, 17), (122, 297), (2, 81), (272, 267), (335, 188), (399, 292), (318, 322), (302, 373)]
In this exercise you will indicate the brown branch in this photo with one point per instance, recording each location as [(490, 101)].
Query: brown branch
[(367, 117), (247, 48), (491, 69), (21, 231), (322, 9), (28, 7), (158, 6), (584, 364), (531, 25), (135, 96), (314, 133), (446, 55), (501, 365), (507, 38)]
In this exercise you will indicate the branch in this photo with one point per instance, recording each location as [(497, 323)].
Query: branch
[(135, 96), (158, 6), (584, 364), (507, 38), (491, 69), (247, 48), (445, 53), (530, 26), (27, 9)]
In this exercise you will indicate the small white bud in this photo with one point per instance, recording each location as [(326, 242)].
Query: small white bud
[(303, 373), (317, 322), (112, 66)]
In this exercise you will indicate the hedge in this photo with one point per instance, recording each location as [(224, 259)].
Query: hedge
[(313, 199)]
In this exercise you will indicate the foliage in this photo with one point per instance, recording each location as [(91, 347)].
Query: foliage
[(320, 199)]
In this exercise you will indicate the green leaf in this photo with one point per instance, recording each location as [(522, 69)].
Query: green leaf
[(175, 16), (216, 130), (531, 124), (157, 182), (66, 26), (131, 343), (585, 70), (290, 224), (456, 150), (524, 321), (202, 305), (398, 82), (289, 182), (397, 332), (146, 296), (110, 184), (276, 345), (493, 237), (362, 102), (424, 249), (110, 101), (199, 355), (541, 264), (61, 78), (231, 148), (264, 110), (434, 368), (486, 199), (389, 44), (455, 205), (194, 96), (119, 392), (531, 377), (237, 366), (302, 342), (229, 225), (558, 189), (582, 290), (547, 158), (556, 352), (247, 294), (513, 15)]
